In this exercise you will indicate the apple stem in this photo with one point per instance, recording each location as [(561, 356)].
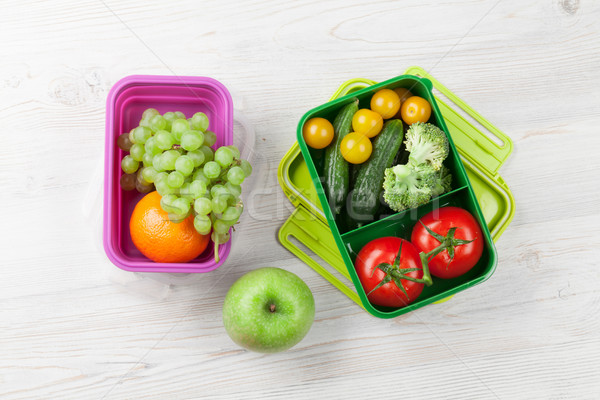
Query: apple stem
[(272, 308)]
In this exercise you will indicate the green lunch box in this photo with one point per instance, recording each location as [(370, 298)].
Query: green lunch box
[(312, 234)]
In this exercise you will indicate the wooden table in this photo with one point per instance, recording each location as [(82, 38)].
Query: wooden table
[(73, 327)]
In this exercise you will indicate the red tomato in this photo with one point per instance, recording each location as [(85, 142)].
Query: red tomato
[(385, 250), (466, 229)]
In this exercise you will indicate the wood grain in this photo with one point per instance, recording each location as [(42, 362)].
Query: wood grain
[(69, 331)]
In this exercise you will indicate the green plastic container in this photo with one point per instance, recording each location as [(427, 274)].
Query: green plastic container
[(476, 187)]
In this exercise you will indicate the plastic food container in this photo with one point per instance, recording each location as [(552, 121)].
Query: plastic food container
[(475, 182), (126, 102)]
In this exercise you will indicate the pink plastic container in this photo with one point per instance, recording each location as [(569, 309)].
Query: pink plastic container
[(126, 102)]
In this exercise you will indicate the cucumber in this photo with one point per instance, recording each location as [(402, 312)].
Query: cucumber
[(364, 203), (402, 156), (336, 170), (353, 173)]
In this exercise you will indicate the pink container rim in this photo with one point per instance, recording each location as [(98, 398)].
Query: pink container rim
[(109, 228)]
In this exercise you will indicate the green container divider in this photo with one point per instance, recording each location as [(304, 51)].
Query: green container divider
[(492, 193)]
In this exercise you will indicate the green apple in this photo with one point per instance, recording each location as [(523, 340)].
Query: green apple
[(268, 310)]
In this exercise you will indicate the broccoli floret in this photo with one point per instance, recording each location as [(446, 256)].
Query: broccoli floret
[(443, 179), (411, 185), (426, 143), (408, 186), (424, 176)]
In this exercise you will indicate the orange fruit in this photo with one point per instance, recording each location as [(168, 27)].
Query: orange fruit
[(160, 239)]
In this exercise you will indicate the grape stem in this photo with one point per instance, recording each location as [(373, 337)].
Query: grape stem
[(219, 179), (216, 252)]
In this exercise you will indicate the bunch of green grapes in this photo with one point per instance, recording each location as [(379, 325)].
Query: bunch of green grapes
[(174, 155)]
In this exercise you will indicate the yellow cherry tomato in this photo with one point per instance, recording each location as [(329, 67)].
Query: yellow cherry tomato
[(404, 94), (415, 109), (317, 133), (386, 103), (367, 122), (356, 148)]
